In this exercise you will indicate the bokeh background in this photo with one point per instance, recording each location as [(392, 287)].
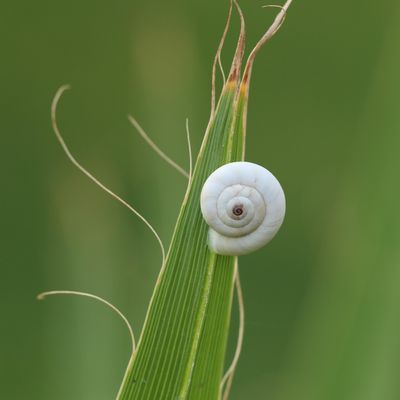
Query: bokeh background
[(322, 300)]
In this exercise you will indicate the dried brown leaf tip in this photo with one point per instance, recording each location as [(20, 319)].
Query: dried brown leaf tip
[(235, 78)]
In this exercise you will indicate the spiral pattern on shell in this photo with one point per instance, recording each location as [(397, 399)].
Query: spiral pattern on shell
[(244, 205)]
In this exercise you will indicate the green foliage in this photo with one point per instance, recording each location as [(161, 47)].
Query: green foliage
[(181, 351), (182, 348)]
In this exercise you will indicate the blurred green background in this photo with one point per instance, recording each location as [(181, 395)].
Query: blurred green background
[(322, 300)]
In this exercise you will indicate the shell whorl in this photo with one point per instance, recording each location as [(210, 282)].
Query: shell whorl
[(244, 206)]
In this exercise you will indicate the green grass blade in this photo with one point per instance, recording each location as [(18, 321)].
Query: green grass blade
[(174, 334), (181, 351), (208, 370)]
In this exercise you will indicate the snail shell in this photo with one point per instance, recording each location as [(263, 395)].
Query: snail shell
[(244, 205)]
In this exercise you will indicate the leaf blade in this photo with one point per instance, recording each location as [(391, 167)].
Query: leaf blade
[(171, 336)]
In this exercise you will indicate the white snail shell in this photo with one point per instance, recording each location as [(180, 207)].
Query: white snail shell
[(244, 205)]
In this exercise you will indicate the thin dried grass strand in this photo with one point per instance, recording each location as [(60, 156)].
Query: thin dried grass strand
[(57, 132), (283, 17), (221, 69), (238, 57), (189, 150), (43, 295), (146, 137), (160, 153), (274, 27), (217, 59)]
